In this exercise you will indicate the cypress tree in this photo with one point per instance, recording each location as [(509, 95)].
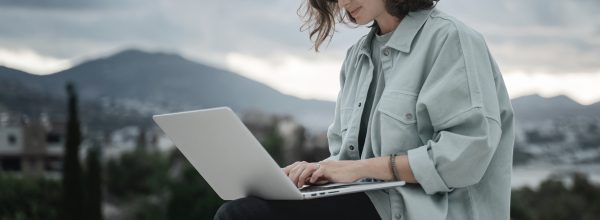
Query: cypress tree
[(72, 188), (94, 185), (141, 141)]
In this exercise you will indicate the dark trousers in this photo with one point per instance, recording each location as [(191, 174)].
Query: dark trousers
[(349, 206)]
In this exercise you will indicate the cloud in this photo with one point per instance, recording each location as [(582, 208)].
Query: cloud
[(32, 62), (551, 37), (554, 36), (291, 75), (582, 87), (72, 34), (69, 4)]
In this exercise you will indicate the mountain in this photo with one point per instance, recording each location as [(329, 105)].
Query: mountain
[(135, 83), (29, 97), (14, 92), (535, 108), (154, 83), (556, 131)]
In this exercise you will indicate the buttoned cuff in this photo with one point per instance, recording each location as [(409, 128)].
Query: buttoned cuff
[(423, 168)]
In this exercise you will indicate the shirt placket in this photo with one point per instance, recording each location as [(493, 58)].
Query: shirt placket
[(386, 60), (365, 79)]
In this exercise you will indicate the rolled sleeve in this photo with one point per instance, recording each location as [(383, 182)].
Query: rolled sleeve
[(459, 157), (459, 105), (425, 172)]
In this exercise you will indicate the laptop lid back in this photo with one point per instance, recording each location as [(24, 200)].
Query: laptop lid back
[(226, 154)]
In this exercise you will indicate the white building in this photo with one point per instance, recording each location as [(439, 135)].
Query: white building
[(30, 148)]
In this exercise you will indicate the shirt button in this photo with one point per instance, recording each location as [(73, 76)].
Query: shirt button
[(398, 216), (408, 116), (386, 51), (359, 104), (351, 147)]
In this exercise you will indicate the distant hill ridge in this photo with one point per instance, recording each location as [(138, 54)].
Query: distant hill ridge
[(535, 108), (164, 82)]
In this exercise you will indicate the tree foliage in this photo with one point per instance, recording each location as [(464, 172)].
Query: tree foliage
[(73, 198), (555, 200), (29, 198)]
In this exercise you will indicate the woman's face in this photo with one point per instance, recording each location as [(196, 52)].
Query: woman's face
[(363, 11)]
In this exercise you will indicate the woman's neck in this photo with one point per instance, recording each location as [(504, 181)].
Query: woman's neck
[(387, 23)]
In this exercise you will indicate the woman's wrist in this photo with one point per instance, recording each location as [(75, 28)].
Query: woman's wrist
[(404, 170), (379, 168), (374, 168), (362, 169)]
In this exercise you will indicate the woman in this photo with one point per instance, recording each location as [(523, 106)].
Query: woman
[(421, 101)]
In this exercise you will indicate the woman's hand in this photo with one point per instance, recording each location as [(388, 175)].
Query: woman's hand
[(323, 172), (346, 171), (300, 172), (338, 171)]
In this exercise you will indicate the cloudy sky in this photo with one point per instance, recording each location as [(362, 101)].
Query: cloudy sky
[(549, 47)]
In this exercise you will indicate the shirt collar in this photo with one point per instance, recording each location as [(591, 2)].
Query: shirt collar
[(403, 36)]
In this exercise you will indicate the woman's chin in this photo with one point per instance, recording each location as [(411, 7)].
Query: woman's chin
[(363, 22)]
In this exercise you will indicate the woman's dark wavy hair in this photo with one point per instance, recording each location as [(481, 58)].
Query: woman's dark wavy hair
[(321, 16)]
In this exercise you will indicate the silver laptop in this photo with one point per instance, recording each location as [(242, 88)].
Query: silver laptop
[(234, 163)]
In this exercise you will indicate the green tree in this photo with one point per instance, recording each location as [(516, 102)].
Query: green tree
[(93, 185), (72, 188), (191, 196), (555, 200), (137, 173), (141, 144), (138, 180), (274, 145), (29, 198)]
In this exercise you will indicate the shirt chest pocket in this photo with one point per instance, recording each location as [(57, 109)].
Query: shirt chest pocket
[(397, 122)]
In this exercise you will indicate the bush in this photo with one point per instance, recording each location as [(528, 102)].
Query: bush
[(137, 173), (192, 197), (29, 198), (554, 200)]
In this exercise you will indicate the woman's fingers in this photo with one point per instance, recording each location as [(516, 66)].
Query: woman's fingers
[(317, 175), (302, 172), (296, 171), (287, 169), (291, 167), (306, 173)]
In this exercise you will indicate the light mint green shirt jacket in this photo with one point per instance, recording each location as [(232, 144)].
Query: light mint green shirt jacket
[(445, 105)]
